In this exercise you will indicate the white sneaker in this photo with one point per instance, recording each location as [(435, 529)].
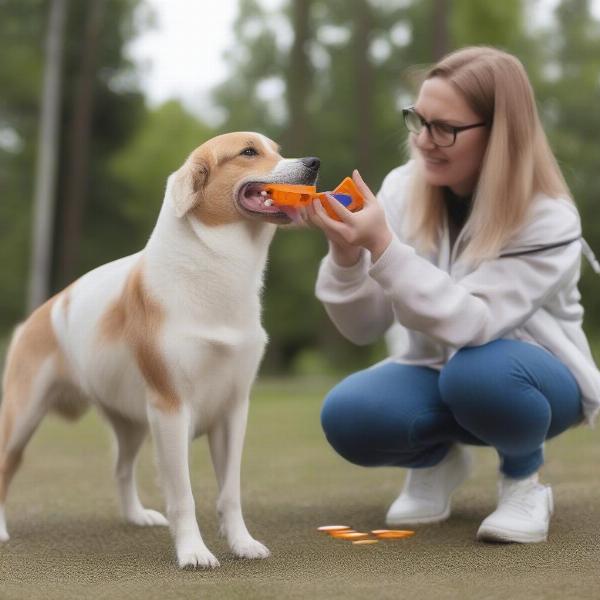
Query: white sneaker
[(523, 513), (425, 497)]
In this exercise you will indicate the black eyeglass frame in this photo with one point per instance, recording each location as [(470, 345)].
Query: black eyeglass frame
[(455, 130)]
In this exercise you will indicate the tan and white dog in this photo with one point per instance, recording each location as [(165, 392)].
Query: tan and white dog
[(169, 338)]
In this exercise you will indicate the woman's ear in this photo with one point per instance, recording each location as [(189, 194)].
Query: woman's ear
[(186, 185)]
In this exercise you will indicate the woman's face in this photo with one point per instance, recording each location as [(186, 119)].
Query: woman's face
[(456, 166)]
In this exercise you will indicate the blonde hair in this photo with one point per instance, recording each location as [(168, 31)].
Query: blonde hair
[(517, 164)]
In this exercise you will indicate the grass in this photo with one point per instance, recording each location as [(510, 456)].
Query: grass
[(68, 541)]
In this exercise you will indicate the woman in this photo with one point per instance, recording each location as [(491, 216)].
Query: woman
[(473, 249)]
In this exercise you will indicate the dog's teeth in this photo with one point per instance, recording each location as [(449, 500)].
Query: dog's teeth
[(268, 202), (263, 193)]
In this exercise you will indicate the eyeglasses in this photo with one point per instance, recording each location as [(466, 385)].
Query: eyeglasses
[(441, 134)]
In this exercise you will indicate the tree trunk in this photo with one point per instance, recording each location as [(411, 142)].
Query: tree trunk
[(45, 177), (364, 85), (441, 43), (77, 171), (298, 81)]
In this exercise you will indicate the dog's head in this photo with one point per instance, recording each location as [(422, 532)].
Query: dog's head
[(221, 180)]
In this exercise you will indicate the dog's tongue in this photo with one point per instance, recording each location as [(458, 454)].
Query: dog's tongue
[(292, 212)]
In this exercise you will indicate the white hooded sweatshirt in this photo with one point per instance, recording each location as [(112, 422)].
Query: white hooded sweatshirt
[(527, 293)]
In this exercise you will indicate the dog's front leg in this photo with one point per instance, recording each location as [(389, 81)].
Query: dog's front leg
[(171, 432), (226, 441)]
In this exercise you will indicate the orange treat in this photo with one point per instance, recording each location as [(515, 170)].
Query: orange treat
[(301, 195), (328, 528), (291, 195), (361, 542), (376, 531), (349, 188), (337, 534), (355, 535), (393, 534)]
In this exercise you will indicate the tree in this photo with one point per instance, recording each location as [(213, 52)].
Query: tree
[(47, 157), (78, 144), (163, 140), (118, 105), (22, 26), (298, 79), (569, 95)]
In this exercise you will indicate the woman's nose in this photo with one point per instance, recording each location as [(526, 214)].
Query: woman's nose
[(423, 139)]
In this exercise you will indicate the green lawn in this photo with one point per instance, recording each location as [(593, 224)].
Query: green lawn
[(69, 543)]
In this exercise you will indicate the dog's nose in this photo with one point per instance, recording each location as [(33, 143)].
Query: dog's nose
[(312, 162)]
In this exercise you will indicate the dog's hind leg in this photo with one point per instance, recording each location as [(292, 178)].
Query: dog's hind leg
[(129, 437), (226, 441), (35, 369), (24, 404)]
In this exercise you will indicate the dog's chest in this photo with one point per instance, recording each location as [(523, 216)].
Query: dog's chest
[(215, 367)]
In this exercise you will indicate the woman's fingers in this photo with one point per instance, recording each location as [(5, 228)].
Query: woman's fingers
[(363, 187), (313, 216), (325, 218), (343, 231), (304, 215), (343, 213), (334, 229)]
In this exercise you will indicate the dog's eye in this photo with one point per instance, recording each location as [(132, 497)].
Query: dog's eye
[(249, 152)]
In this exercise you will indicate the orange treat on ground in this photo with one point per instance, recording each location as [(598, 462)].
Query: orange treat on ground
[(355, 535), (336, 534), (328, 528), (393, 534), (361, 542), (376, 531)]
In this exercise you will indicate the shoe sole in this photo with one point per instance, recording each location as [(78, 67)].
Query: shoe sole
[(420, 520), (493, 534)]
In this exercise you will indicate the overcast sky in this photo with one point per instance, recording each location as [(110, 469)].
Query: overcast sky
[(182, 57)]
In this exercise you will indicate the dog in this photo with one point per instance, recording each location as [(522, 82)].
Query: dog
[(169, 339)]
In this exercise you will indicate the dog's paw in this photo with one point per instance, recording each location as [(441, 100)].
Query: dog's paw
[(249, 548), (196, 556), (4, 537), (147, 517)]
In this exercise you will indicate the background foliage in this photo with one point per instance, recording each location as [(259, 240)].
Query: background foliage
[(325, 79)]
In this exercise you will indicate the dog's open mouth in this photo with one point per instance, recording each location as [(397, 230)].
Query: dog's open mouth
[(253, 198)]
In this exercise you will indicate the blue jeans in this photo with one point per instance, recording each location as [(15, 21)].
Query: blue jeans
[(507, 394)]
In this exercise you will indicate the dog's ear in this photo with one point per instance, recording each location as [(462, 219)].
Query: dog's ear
[(186, 185)]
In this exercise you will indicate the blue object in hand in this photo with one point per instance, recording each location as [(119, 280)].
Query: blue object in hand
[(345, 199)]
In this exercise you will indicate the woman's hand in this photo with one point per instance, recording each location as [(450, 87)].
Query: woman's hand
[(366, 228)]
